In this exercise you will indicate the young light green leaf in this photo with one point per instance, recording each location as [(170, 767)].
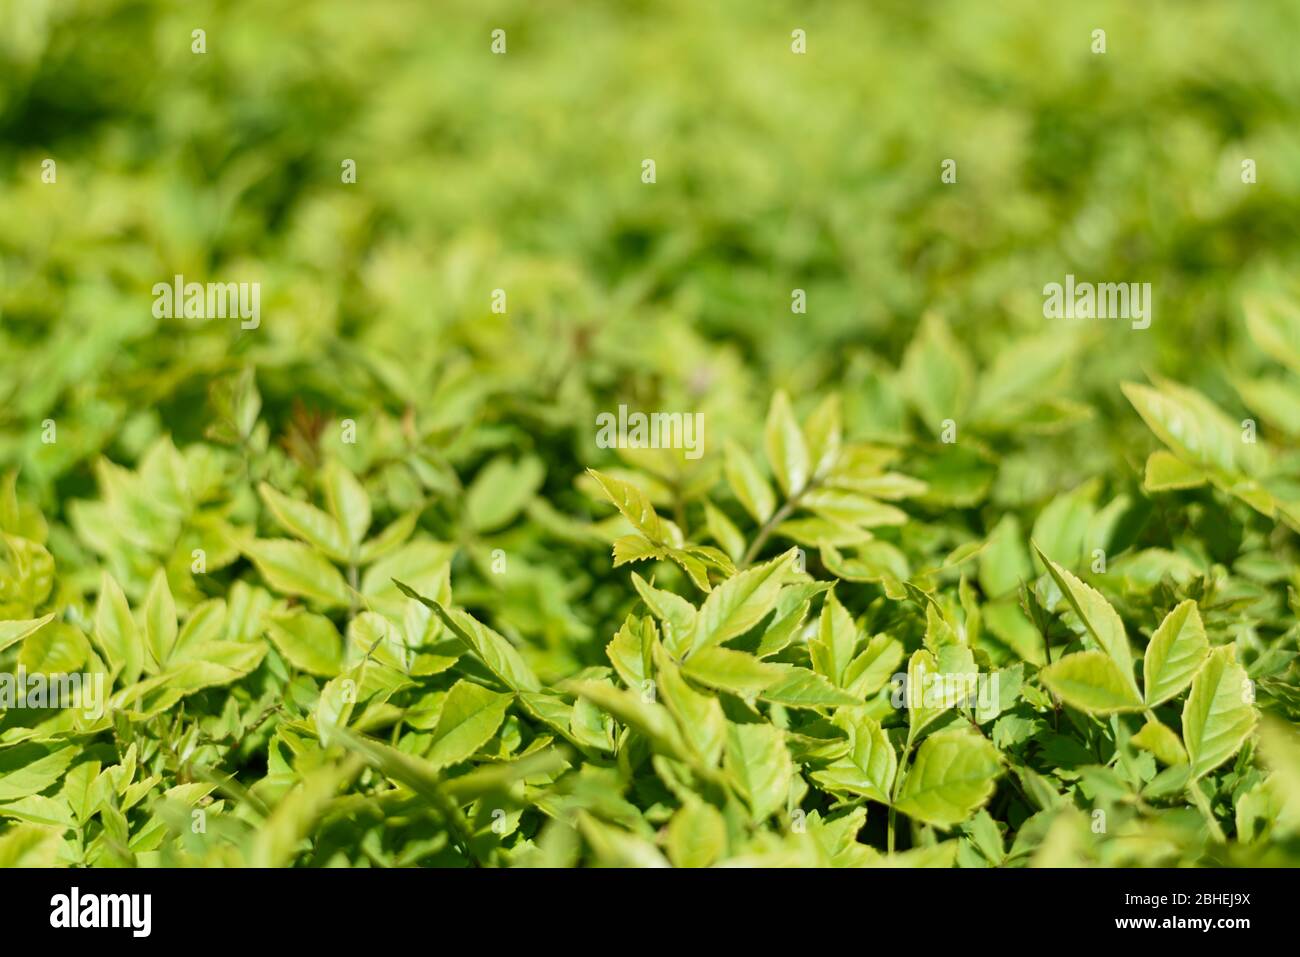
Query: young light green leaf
[(758, 761), (470, 716), (1092, 682), (12, 632), (868, 769), (936, 374), (699, 716), (724, 531), (306, 522), (951, 778), (741, 602), (292, 568), (349, 504), (735, 671), (1167, 472), (1177, 649), (310, 642), (614, 847), (801, 688), (159, 619), (747, 483), (393, 536), (277, 839), (633, 504), (500, 657), (1274, 324), (639, 712), (30, 768), (924, 699), (1218, 715), (1195, 429), (1162, 742), (697, 835), (837, 639), (1097, 615), (823, 433), (874, 665), (628, 652), (784, 442), (675, 612)]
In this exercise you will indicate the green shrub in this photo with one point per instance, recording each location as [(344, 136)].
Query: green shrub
[(363, 583)]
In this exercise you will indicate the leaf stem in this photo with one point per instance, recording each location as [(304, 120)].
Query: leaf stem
[(776, 518), (1198, 798), (893, 794)]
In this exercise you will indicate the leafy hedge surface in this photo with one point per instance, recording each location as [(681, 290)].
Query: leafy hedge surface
[(364, 590)]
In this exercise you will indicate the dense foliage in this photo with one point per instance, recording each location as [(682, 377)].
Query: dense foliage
[(362, 587)]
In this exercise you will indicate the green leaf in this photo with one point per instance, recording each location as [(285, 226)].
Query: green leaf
[(823, 434), (39, 810), (1193, 428), (741, 602), (1279, 743), (1162, 742), (852, 509), (614, 847), (29, 769), (349, 504), (697, 835), (783, 630), (951, 778), (922, 708), (836, 642), (724, 532), (699, 716), (627, 652), (633, 505), (408, 769), (470, 716), (1166, 472), (1177, 649), (1097, 615), (757, 759), (392, 537), (747, 483), (12, 632), (735, 671), (801, 688), (310, 642), (676, 613), (636, 548), (1274, 324), (424, 565), (276, 841), (651, 720), (1092, 682), (308, 523), (294, 569), (784, 443), (159, 619), (1218, 716), (874, 666), (30, 845), (501, 490), (500, 657), (868, 769)]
